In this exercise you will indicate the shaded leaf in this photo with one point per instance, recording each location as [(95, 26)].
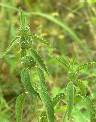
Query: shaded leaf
[(25, 78), (19, 107)]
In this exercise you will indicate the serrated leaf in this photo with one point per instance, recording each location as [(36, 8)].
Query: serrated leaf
[(70, 98), (45, 97), (58, 98), (86, 66), (39, 60), (91, 109), (19, 107), (14, 42), (82, 87), (25, 78), (64, 62), (40, 38)]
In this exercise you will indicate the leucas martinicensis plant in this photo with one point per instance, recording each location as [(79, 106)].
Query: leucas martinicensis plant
[(74, 92), (31, 59)]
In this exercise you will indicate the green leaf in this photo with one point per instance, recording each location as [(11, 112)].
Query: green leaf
[(14, 42), (82, 87), (25, 78), (40, 39), (87, 66), (22, 19), (91, 107), (19, 107), (70, 98), (28, 62), (25, 39), (43, 117), (45, 97), (64, 61), (58, 98), (39, 60)]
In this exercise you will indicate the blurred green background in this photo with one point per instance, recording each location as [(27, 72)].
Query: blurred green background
[(70, 28)]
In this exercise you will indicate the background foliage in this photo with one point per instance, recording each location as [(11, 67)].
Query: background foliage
[(63, 34)]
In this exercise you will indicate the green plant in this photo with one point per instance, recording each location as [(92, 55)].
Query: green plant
[(76, 90), (31, 60)]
